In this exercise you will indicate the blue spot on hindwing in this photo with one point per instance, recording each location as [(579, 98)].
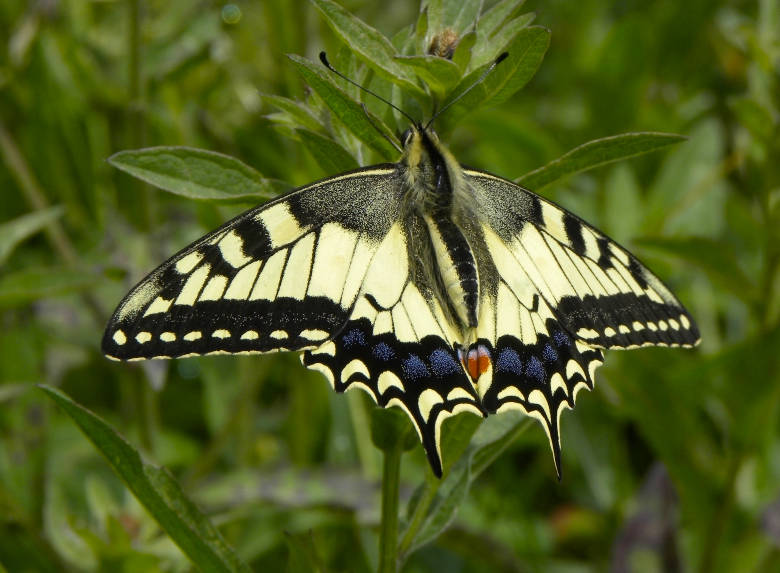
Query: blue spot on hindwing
[(442, 363), (561, 339), (534, 369), (509, 361), (354, 337), (383, 351), (549, 354), (414, 368)]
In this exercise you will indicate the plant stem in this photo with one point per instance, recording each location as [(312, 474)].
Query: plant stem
[(388, 533)]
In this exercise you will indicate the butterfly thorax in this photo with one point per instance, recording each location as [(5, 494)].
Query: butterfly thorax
[(435, 181)]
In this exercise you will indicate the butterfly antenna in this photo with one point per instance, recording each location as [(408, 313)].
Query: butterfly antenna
[(375, 126), (326, 63), (481, 78)]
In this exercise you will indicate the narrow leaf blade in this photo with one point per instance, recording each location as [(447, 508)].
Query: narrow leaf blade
[(596, 153), (374, 48), (345, 108), (156, 489)]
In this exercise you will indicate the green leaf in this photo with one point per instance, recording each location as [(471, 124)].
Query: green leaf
[(463, 51), (596, 153), (488, 49), (297, 113), (434, 508), (28, 285), (389, 426), (494, 18), (372, 47), (525, 55), (457, 16), (13, 232), (461, 16), (194, 173), (156, 489), (345, 108), (439, 74), (328, 154)]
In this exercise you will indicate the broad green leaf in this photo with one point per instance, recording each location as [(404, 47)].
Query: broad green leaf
[(194, 173), (461, 16), (525, 54), (596, 153), (13, 232), (389, 426), (488, 49), (457, 16), (716, 258), (296, 111), (463, 51), (345, 108), (28, 285), (329, 154), (157, 490), (440, 74), (494, 18), (373, 48)]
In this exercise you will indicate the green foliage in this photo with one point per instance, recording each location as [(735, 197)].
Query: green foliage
[(679, 446)]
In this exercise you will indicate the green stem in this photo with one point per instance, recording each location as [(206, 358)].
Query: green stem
[(388, 534), (419, 515)]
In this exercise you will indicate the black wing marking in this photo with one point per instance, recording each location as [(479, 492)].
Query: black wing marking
[(601, 293), (284, 275), (535, 366), (400, 345), (559, 292)]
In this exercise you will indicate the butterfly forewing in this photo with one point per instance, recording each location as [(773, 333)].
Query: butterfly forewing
[(600, 293), (282, 276)]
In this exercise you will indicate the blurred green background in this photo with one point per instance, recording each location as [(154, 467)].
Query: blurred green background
[(671, 464)]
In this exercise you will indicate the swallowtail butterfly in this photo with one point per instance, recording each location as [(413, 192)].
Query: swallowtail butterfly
[(435, 287)]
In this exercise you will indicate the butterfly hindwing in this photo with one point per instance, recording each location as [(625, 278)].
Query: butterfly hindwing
[(399, 344), (282, 276)]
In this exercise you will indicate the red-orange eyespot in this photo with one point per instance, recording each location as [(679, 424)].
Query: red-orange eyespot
[(478, 361)]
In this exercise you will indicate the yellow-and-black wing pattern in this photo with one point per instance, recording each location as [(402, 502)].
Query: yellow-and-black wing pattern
[(557, 292), (283, 276), (399, 344), (434, 288)]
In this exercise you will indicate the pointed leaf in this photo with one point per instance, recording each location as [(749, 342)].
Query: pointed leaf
[(296, 111), (494, 18), (156, 489), (444, 497), (488, 49), (596, 153), (374, 48), (194, 173), (13, 232), (525, 54), (438, 73), (345, 108)]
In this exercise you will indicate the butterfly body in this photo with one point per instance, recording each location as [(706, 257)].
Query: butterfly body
[(436, 288)]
